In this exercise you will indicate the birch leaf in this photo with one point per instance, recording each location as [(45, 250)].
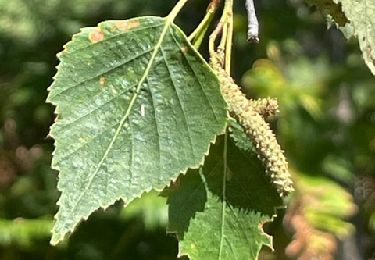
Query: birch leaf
[(227, 202), (136, 106)]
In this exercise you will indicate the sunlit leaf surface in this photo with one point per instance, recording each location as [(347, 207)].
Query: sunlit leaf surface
[(136, 106)]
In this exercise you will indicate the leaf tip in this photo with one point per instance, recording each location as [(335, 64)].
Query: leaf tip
[(56, 239)]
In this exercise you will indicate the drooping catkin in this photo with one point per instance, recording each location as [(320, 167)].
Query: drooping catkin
[(264, 141)]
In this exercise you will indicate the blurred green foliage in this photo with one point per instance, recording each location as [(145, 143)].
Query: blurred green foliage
[(326, 125)]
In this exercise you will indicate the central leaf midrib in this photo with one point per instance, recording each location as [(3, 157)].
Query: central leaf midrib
[(127, 113), (223, 205)]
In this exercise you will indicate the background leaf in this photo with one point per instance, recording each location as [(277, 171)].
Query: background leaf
[(24, 232), (331, 8), (362, 18), (317, 215), (354, 18), (129, 97)]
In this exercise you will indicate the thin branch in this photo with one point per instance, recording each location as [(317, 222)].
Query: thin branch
[(253, 25), (225, 27), (228, 49)]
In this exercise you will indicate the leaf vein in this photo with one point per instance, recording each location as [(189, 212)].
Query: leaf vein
[(102, 73), (179, 102), (83, 145), (196, 76), (156, 123), (125, 117), (98, 107)]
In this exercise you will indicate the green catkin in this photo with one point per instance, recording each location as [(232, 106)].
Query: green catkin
[(264, 141)]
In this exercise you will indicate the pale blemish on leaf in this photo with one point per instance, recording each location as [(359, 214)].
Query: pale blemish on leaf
[(96, 35), (127, 25), (184, 49), (114, 91), (143, 110), (102, 81)]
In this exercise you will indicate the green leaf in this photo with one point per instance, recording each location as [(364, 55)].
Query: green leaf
[(332, 9), (228, 216), (186, 197), (137, 106)]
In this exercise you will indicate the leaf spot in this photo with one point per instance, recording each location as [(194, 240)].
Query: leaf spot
[(114, 91), (96, 36), (102, 81), (127, 25), (184, 49)]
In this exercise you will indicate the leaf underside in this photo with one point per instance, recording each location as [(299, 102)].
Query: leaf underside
[(216, 221), (331, 8), (136, 106), (354, 18), (361, 14)]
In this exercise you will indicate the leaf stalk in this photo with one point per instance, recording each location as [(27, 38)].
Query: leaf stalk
[(196, 37)]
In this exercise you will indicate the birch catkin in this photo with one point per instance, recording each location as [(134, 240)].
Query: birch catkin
[(264, 141), (266, 107)]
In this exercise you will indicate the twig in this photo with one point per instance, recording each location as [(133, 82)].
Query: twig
[(228, 49), (225, 26), (253, 25)]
